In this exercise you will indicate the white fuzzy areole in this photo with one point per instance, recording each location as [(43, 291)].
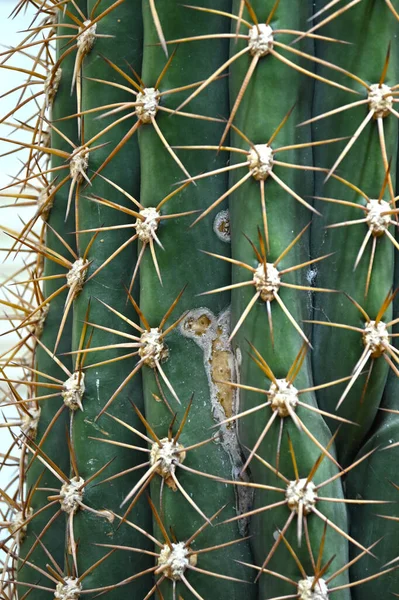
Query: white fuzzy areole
[(51, 86), (73, 390), (87, 37), (380, 100), (77, 274), (268, 285), (72, 495), (70, 589), (261, 161), (301, 492), (153, 349), (282, 395), (79, 163), (170, 454), (377, 222), (305, 591), (36, 323), (146, 229), (376, 336), (175, 560), (30, 422), (18, 526), (43, 201), (260, 40), (149, 102)]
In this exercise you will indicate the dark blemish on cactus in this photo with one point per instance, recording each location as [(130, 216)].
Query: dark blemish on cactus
[(221, 226)]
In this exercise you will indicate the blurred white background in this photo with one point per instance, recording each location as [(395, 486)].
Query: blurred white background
[(10, 165)]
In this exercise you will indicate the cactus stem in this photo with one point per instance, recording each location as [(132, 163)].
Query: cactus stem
[(380, 105)]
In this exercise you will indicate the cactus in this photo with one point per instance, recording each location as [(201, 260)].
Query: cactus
[(204, 367)]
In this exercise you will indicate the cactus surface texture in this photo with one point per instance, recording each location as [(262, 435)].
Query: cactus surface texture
[(202, 388)]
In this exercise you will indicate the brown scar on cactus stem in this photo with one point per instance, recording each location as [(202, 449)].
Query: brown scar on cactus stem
[(211, 333), (174, 558), (69, 496), (380, 102), (317, 586), (147, 222), (75, 276), (260, 160), (267, 280), (166, 455), (261, 42), (149, 346), (146, 106), (377, 216), (301, 496), (283, 399), (376, 341)]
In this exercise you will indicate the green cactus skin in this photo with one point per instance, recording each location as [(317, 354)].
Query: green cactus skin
[(55, 445), (374, 478), (216, 366), (364, 168)]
